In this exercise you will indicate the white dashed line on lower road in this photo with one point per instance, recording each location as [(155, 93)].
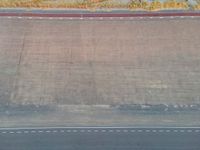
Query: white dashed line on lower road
[(103, 130), (4, 132), (125, 130), (62, 131), (189, 130), (11, 132), (132, 130), (26, 131), (110, 130), (118, 130), (154, 130), (74, 130)]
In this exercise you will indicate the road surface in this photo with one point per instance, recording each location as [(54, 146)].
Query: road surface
[(100, 139), (98, 70)]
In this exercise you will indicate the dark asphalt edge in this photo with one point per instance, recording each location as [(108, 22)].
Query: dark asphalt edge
[(99, 13)]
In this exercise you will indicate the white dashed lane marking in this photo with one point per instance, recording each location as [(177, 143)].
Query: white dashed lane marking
[(100, 18), (155, 131)]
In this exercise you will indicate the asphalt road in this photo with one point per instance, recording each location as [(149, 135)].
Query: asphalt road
[(100, 139)]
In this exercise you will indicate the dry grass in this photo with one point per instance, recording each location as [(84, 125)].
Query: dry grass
[(93, 4)]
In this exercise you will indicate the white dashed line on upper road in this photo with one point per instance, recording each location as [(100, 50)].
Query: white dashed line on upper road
[(100, 18)]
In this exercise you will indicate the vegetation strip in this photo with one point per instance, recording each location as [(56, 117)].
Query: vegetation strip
[(102, 4)]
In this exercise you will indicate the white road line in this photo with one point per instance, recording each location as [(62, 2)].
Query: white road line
[(118, 130), (62, 131), (154, 130), (110, 130), (100, 18), (175, 130), (102, 130), (88, 130), (132, 130), (147, 130), (11, 132), (26, 131), (93, 127), (4, 132), (18, 132)]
